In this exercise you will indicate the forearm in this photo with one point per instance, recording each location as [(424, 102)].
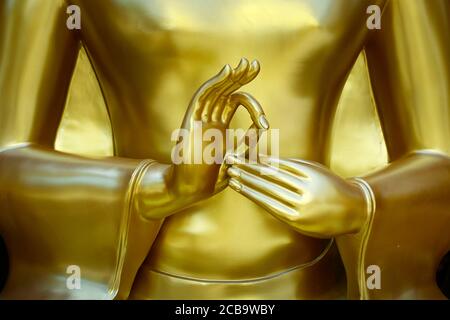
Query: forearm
[(68, 207), (406, 234), (410, 75)]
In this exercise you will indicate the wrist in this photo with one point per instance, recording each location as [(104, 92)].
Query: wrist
[(364, 204), (364, 234), (161, 193)]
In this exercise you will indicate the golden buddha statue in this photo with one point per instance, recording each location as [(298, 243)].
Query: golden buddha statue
[(139, 226)]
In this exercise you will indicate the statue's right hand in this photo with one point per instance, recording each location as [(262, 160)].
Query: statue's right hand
[(212, 107)]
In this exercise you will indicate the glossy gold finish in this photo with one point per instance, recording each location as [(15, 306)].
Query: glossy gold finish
[(141, 227), (303, 194)]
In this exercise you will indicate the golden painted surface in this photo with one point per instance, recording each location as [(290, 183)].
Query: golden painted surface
[(85, 127), (357, 147), (151, 61)]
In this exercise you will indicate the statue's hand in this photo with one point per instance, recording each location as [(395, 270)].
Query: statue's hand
[(212, 107), (303, 194)]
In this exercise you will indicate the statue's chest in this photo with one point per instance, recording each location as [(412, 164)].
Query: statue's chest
[(201, 24), (154, 54), (225, 16)]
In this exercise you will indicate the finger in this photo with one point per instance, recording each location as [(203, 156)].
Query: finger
[(277, 175), (265, 186), (223, 78), (248, 102), (272, 205), (216, 114), (238, 81), (239, 75), (301, 169), (309, 163), (248, 143), (251, 74), (213, 100), (216, 99)]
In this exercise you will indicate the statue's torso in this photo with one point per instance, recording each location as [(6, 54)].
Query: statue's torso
[(151, 56)]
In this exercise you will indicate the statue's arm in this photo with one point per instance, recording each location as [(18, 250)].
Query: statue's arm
[(57, 209), (409, 69), (38, 55), (396, 218), (37, 58)]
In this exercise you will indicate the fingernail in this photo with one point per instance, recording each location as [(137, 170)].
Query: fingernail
[(235, 185), (255, 64), (263, 122), (243, 61), (233, 172), (226, 69)]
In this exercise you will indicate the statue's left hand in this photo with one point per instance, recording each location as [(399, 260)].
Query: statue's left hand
[(304, 194)]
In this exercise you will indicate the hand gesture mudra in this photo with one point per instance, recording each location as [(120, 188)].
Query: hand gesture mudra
[(304, 194), (213, 106)]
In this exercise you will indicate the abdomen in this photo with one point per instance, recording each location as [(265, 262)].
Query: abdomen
[(229, 237)]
